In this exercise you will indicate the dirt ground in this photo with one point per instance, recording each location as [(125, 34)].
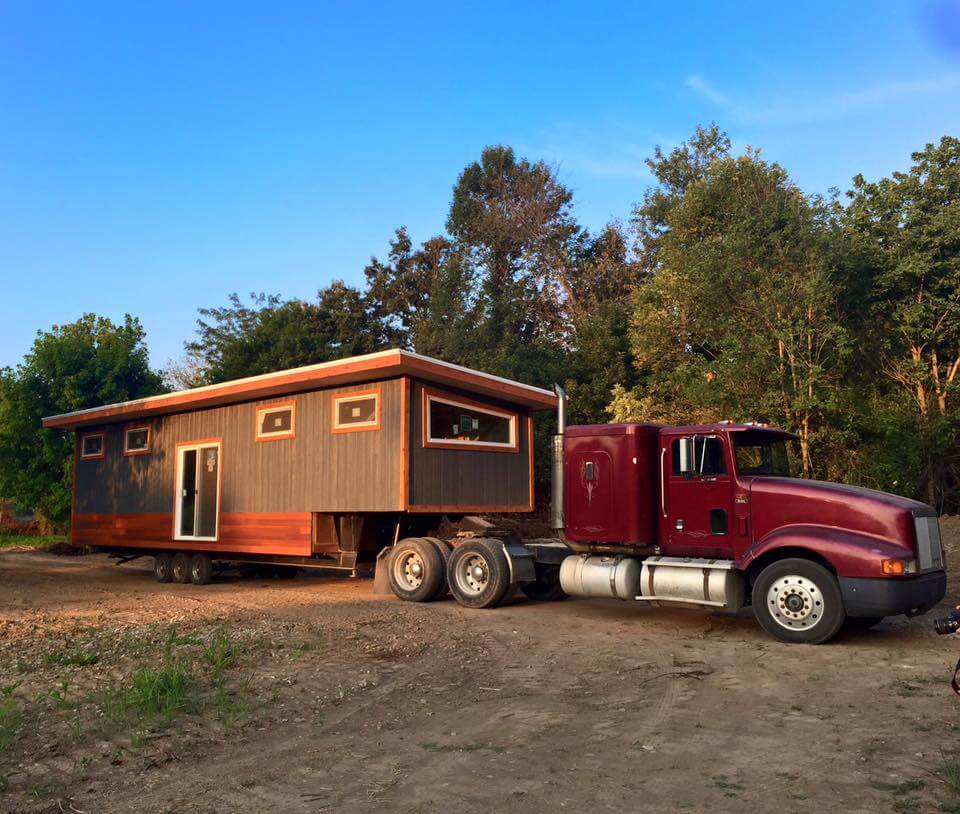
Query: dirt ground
[(334, 699)]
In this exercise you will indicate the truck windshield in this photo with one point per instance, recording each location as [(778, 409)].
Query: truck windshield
[(761, 453)]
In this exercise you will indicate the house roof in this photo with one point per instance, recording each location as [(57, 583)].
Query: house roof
[(356, 369)]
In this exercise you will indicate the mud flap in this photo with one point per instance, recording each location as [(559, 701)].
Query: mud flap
[(381, 574), (520, 560)]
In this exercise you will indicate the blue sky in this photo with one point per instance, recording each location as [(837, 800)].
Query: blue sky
[(155, 157)]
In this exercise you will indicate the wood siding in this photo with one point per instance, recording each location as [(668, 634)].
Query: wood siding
[(317, 471), (468, 480)]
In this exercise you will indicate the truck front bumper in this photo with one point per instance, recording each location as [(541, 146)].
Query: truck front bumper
[(893, 596)]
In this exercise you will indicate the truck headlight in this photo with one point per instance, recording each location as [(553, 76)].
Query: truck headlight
[(897, 568)]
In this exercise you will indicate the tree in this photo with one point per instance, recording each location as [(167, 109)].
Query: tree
[(86, 363), (272, 334), (510, 220), (741, 318), (907, 229)]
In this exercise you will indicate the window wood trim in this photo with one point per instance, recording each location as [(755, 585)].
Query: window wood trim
[(146, 451), (429, 394), (356, 395), (269, 408), (103, 446)]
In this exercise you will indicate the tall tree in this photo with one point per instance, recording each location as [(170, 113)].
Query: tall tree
[(741, 318), (86, 363), (907, 229)]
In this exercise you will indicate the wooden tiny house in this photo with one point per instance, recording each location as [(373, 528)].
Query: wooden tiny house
[(319, 465)]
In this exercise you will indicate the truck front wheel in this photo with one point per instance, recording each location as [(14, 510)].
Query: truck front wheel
[(798, 601)]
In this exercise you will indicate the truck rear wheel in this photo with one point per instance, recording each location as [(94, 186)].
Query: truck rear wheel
[(478, 573), (444, 549), (416, 570), (798, 601)]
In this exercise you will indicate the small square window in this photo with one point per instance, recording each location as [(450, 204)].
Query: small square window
[(356, 411), (276, 421), (93, 446), (136, 441)]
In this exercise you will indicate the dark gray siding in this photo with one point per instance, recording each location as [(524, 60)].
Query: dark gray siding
[(448, 477), (315, 471)]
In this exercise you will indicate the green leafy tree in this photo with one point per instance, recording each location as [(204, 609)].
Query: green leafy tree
[(87, 363), (741, 318), (270, 333), (907, 233)]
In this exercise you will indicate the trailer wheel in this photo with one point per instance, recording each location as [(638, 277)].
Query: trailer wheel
[(546, 587), (798, 601), (162, 571), (201, 569), (444, 549), (478, 573), (416, 570), (180, 568)]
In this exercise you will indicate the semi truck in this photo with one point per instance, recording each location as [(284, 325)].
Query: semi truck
[(703, 515)]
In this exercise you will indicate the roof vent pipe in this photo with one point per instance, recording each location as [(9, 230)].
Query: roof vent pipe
[(557, 470)]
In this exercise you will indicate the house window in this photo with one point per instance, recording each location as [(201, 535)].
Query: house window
[(136, 441), (276, 421), (356, 411), (93, 446), (454, 423)]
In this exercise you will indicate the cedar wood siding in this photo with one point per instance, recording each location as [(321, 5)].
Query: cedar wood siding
[(316, 471), (478, 480)]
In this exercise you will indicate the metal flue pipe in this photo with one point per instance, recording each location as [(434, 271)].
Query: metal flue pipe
[(557, 470)]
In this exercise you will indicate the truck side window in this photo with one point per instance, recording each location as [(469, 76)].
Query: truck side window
[(708, 452)]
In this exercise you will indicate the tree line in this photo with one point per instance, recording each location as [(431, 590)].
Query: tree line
[(727, 293)]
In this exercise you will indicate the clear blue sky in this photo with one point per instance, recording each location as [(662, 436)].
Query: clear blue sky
[(155, 157)]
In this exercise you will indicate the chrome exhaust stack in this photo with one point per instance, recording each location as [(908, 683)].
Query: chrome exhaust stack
[(557, 469)]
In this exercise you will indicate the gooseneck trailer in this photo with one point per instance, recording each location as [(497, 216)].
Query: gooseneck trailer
[(363, 460)]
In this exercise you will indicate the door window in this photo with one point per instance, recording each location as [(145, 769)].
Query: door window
[(708, 458)]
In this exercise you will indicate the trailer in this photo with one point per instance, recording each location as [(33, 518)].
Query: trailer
[(317, 467), (386, 460)]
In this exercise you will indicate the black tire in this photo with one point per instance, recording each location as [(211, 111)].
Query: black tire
[(444, 549), (162, 571), (860, 623), (478, 573), (546, 587), (416, 570), (798, 601), (201, 569), (180, 568)]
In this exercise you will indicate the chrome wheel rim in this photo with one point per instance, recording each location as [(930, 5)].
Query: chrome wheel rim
[(473, 574), (408, 570), (795, 602)]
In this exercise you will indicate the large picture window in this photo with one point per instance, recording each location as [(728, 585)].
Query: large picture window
[(93, 446), (451, 422), (353, 412), (276, 421)]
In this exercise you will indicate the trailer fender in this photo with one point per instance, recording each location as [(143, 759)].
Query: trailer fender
[(381, 573), (846, 553)]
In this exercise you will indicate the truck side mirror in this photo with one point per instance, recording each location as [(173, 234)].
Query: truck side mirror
[(687, 457)]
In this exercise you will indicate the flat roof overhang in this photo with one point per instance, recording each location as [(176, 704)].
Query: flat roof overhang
[(353, 370)]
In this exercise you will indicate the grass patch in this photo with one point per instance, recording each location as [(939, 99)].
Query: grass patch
[(219, 654), (10, 719), (78, 658), (160, 691), (29, 541)]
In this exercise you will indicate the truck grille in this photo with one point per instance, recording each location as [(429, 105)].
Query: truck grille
[(929, 550)]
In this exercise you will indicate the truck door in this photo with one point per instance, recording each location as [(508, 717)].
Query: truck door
[(698, 505)]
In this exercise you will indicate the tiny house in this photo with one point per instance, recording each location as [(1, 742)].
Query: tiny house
[(317, 466)]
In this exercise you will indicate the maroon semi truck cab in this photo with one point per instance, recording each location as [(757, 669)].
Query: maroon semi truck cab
[(709, 515)]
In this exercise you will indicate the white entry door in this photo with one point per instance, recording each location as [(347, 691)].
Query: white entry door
[(197, 508)]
